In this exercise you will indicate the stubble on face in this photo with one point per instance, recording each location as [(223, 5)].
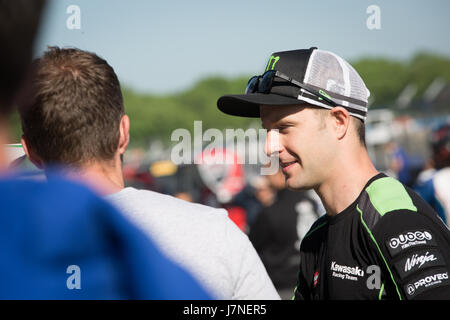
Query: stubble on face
[(302, 135)]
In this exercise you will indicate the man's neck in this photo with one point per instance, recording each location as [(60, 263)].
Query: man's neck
[(104, 178), (345, 184)]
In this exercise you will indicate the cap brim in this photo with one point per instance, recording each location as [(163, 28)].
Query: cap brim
[(247, 105)]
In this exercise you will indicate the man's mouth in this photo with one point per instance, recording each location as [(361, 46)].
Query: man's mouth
[(285, 166)]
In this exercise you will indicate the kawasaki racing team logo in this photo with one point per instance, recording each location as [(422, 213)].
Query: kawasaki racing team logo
[(346, 272)]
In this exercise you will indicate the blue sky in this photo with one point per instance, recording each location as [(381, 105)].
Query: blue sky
[(167, 45)]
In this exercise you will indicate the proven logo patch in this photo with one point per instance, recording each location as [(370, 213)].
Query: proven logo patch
[(430, 280)]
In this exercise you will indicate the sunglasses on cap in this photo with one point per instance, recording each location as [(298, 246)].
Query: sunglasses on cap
[(265, 82)]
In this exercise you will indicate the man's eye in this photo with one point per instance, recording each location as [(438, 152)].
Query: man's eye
[(283, 128)]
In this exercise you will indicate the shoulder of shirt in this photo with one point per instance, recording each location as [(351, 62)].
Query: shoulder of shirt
[(155, 200), (384, 195), (317, 225), (48, 197), (50, 187), (442, 176)]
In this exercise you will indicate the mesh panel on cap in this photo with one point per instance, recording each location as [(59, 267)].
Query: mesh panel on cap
[(333, 74)]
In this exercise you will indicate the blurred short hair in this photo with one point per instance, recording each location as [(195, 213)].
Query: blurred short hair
[(360, 130), (74, 112)]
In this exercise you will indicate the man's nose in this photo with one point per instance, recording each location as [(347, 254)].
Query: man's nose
[(272, 145)]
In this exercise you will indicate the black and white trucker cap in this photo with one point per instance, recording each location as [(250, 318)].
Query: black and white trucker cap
[(320, 70)]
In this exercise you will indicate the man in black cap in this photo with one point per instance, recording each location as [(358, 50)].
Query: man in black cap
[(379, 239)]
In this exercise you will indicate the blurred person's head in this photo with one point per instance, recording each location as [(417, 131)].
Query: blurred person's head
[(440, 144), (263, 190), (186, 196), (19, 22), (277, 180), (395, 163), (226, 179)]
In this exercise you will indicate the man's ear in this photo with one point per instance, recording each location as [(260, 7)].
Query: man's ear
[(124, 134), (30, 154), (340, 121)]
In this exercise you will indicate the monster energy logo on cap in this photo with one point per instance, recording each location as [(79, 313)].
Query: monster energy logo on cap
[(273, 60)]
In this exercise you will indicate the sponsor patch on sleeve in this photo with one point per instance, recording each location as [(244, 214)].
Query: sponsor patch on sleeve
[(426, 281), (409, 239), (418, 260)]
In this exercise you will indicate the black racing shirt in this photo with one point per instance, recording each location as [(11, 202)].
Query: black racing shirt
[(388, 244)]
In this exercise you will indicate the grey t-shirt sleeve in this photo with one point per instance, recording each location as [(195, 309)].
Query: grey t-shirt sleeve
[(203, 240), (251, 279)]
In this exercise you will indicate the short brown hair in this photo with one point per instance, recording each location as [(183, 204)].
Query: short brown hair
[(360, 130), (74, 113), (358, 124)]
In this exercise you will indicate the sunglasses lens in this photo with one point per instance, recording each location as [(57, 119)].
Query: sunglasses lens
[(251, 85), (266, 82)]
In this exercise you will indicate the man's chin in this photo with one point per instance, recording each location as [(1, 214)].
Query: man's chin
[(297, 185), (301, 188)]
